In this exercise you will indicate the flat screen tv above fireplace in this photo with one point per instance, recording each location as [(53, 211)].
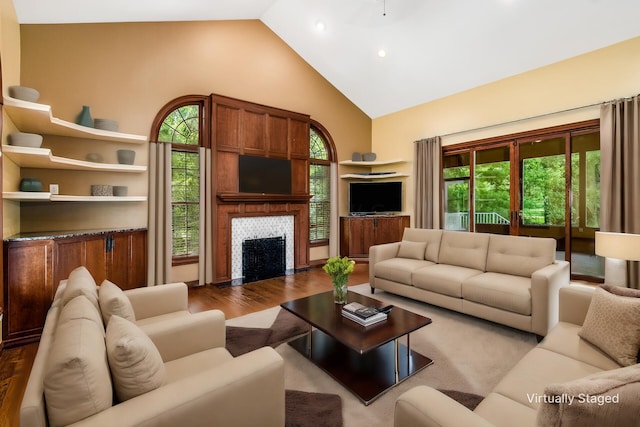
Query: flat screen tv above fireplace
[(264, 175), (366, 198)]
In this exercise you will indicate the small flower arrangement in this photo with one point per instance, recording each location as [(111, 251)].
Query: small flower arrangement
[(339, 270)]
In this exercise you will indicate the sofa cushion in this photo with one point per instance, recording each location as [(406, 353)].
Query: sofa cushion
[(80, 308), (80, 282), (606, 398), (501, 411), (113, 301), (431, 237), (503, 291), (399, 269), (613, 325), (525, 383), (413, 250), (76, 382), (136, 365), (193, 364), (464, 249), (443, 279), (564, 339), (518, 255)]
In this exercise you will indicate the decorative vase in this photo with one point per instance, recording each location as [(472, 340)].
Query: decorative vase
[(84, 118), (30, 184), (126, 157), (340, 290)]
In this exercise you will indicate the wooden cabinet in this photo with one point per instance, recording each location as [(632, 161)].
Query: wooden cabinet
[(34, 267), (358, 234)]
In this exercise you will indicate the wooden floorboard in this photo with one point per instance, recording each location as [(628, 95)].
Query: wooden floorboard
[(234, 301)]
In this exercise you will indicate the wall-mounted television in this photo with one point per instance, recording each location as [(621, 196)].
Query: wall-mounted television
[(264, 175), (375, 197)]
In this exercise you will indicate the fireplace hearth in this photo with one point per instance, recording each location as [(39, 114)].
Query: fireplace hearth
[(263, 258)]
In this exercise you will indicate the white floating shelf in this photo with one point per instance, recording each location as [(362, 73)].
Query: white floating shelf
[(377, 176), (42, 158), (373, 163), (28, 196), (37, 118)]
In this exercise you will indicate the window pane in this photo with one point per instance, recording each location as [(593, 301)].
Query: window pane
[(317, 147), (492, 190), (181, 126), (456, 191), (319, 205), (185, 194)]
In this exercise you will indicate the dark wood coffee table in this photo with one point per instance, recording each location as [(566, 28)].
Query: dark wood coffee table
[(368, 361)]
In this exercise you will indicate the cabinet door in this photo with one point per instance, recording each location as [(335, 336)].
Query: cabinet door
[(389, 229), (74, 252), (28, 290), (127, 259)]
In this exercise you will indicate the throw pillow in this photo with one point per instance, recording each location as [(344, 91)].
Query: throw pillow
[(113, 301), (136, 365), (80, 308), (80, 282), (413, 250), (619, 290), (76, 380), (604, 399), (612, 324)]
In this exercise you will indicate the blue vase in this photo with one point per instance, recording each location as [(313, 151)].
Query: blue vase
[(30, 184), (84, 118)]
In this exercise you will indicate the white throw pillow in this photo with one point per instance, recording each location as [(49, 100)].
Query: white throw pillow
[(80, 308), (80, 282), (113, 301), (136, 365)]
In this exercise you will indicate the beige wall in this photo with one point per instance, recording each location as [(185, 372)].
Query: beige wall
[(595, 77), (127, 72)]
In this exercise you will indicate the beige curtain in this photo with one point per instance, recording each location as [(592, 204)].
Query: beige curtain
[(205, 261), (620, 172), (426, 172), (159, 234)]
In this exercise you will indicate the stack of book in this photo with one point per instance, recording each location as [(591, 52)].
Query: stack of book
[(362, 314)]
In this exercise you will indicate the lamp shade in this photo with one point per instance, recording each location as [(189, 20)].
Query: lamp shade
[(618, 245)]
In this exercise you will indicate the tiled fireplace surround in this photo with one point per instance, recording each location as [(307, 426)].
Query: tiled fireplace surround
[(257, 227)]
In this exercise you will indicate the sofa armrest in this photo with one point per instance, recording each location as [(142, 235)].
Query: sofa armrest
[(179, 337), (426, 407), (574, 303), (157, 300), (379, 253), (218, 396), (545, 285)]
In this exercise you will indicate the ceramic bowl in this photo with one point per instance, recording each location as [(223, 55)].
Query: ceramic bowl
[(22, 139), (30, 184), (24, 93), (120, 190), (94, 157), (126, 157), (101, 190), (356, 157), (105, 124), (369, 157)]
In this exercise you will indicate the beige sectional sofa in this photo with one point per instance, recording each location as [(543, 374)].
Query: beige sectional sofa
[(511, 280), (156, 364), (565, 380)]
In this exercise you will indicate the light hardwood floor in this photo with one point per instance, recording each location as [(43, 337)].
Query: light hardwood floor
[(15, 363)]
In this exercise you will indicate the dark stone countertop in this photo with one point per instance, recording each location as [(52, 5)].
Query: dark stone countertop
[(44, 235)]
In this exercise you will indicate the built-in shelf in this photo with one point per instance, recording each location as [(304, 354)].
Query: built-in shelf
[(27, 196), (37, 118), (374, 176), (373, 163), (42, 158)]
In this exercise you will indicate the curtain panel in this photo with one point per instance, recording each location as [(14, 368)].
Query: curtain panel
[(159, 235), (426, 172), (620, 172)]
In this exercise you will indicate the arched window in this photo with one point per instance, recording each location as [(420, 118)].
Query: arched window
[(181, 125), (321, 154)]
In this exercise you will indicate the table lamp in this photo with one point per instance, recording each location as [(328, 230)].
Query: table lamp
[(621, 246)]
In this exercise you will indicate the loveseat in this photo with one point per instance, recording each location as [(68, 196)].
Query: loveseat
[(155, 363), (584, 373), (512, 280)]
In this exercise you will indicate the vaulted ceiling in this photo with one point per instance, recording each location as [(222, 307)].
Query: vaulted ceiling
[(433, 48)]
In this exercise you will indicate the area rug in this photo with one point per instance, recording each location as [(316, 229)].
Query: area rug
[(470, 357)]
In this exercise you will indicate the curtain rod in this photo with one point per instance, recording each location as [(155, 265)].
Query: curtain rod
[(521, 120)]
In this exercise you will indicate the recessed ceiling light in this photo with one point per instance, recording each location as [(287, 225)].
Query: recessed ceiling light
[(320, 26), (382, 53)]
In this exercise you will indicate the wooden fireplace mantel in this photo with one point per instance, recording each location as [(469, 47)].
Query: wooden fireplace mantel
[(261, 198)]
